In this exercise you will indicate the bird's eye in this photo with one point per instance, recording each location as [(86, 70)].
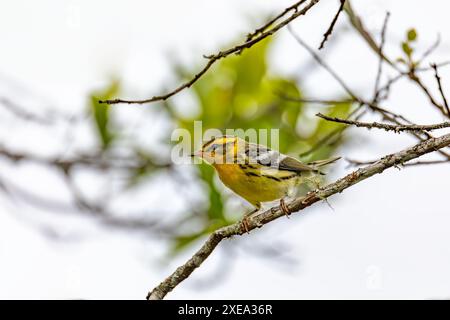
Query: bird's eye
[(214, 147), (217, 148)]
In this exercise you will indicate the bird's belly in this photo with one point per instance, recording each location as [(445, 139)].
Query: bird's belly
[(253, 188)]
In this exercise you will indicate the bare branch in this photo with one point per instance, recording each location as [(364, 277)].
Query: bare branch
[(331, 27), (261, 29), (135, 222), (259, 220), (413, 76), (400, 120), (380, 62), (326, 140), (408, 164), (49, 117), (324, 65), (438, 80), (430, 49), (386, 114), (356, 22), (93, 161), (222, 54), (386, 87), (385, 126)]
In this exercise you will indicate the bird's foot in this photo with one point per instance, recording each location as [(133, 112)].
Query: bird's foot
[(244, 221), (284, 208)]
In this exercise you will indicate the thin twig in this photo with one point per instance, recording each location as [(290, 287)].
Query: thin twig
[(438, 80), (356, 22), (216, 57), (385, 126), (147, 226), (408, 164), (23, 114), (386, 114), (380, 62), (430, 49), (263, 28), (94, 161), (324, 141), (331, 27), (324, 65), (399, 119), (413, 76), (259, 220), (386, 87)]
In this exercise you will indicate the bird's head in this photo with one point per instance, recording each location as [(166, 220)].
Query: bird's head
[(220, 150)]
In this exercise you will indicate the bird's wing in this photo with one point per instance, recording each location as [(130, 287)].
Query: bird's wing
[(271, 158), (291, 164), (262, 155), (324, 162)]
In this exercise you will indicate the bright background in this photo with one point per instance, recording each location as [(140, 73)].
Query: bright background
[(387, 237)]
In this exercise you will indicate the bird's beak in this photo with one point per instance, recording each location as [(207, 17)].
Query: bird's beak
[(197, 153)]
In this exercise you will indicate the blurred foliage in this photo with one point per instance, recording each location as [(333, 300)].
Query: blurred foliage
[(238, 93), (101, 112)]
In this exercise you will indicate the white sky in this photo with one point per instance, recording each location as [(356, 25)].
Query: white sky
[(386, 238)]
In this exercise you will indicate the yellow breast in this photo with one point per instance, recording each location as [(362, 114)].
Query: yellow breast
[(256, 185)]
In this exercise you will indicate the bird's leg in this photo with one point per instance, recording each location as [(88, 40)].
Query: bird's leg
[(245, 218), (284, 208)]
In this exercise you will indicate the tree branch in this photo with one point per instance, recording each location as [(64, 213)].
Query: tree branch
[(222, 54), (385, 126), (438, 80), (327, 139), (94, 161), (331, 27), (324, 65), (386, 114), (263, 28), (257, 221), (409, 164), (413, 76), (357, 23), (377, 92)]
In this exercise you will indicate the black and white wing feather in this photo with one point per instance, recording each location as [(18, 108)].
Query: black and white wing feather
[(273, 159)]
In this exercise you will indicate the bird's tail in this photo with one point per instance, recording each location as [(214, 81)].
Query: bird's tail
[(321, 163)]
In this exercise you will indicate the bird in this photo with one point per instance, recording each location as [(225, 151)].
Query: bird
[(257, 173)]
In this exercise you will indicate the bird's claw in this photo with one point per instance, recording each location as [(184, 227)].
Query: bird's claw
[(244, 223), (284, 208)]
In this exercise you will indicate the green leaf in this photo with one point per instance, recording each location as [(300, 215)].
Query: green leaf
[(101, 112), (411, 34), (407, 49)]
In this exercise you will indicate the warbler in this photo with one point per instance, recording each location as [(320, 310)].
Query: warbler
[(257, 173)]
